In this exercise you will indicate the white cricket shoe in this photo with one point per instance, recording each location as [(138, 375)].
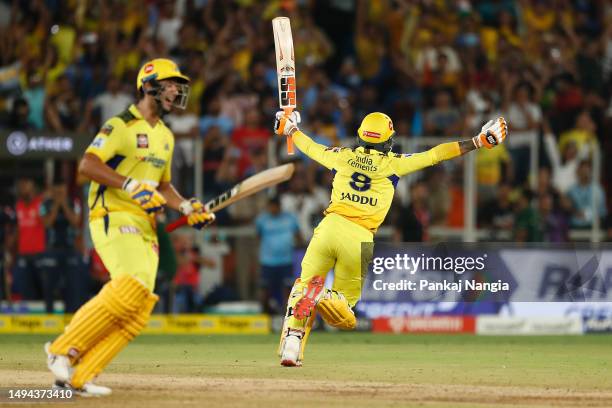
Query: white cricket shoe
[(60, 366), (291, 350), (88, 390)]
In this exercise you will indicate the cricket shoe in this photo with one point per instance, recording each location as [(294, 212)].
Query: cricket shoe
[(303, 307), (59, 365), (291, 349), (87, 390)]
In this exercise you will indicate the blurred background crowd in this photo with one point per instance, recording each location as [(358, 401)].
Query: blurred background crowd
[(439, 68)]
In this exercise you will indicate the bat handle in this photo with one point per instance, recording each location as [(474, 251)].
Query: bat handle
[(290, 148), (176, 224)]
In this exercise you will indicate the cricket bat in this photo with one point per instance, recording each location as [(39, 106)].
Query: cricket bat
[(285, 68), (250, 186)]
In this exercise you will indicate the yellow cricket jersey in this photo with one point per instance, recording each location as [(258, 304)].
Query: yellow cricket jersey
[(132, 147), (364, 179)]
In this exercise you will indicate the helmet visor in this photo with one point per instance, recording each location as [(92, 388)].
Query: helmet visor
[(182, 97)]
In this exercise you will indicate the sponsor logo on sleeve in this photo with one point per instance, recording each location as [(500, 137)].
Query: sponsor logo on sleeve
[(98, 142)]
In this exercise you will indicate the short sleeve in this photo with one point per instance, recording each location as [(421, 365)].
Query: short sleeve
[(108, 140)]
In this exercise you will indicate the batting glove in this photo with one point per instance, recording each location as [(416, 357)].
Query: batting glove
[(145, 195), (492, 133), (286, 125), (197, 217)]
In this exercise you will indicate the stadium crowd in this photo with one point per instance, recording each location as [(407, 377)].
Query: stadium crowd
[(438, 68)]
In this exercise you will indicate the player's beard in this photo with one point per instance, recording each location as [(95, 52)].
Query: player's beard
[(157, 106)]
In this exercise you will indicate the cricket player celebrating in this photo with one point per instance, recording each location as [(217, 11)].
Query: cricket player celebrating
[(129, 164), (362, 191)]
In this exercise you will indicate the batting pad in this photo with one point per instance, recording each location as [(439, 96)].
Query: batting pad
[(307, 330), (335, 310), (100, 356), (118, 302), (291, 322)]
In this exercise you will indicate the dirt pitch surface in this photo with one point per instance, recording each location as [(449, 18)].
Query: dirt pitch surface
[(415, 371), (154, 391)]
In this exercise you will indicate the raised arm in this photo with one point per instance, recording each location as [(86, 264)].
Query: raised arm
[(287, 125), (491, 134)]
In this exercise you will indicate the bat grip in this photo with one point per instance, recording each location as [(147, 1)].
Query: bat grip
[(290, 148), (176, 224)]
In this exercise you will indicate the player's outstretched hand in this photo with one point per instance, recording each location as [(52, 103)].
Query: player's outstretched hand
[(492, 133), (145, 195), (197, 217), (285, 125)]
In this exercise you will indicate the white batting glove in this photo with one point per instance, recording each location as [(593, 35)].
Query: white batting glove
[(286, 125), (197, 217), (144, 195), (492, 133)]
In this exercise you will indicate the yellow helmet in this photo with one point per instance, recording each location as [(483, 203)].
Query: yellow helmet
[(376, 131), (163, 68)]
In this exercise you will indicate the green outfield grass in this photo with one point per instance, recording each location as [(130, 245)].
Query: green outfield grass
[(573, 364)]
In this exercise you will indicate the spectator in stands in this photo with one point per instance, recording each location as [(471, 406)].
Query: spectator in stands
[(568, 102), (554, 224), (279, 233), (498, 213), (111, 102), (525, 117), (564, 162), (30, 277), (64, 111), (439, 195), (443, 119), (215, 145), (305, 201), (527, 224), (184, 125), (19, 115), (437, 57), (586, 196), (214, 117), (36, 97), (414, 218), (249, 139), (582, 134), (187, 281), (64, 265), (491, 167)]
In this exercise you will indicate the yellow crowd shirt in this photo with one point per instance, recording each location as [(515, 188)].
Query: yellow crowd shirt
[(364, 179), (128, 144)]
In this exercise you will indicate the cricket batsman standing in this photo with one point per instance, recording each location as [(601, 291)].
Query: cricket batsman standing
[(364, 184), (129, 164)]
